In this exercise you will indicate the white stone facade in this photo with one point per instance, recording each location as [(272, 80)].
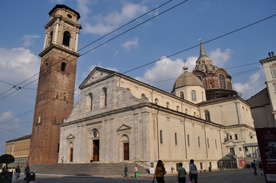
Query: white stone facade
[(116, 110)]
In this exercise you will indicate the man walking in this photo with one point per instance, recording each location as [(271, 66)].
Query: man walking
[(126, 171), (253, 165)]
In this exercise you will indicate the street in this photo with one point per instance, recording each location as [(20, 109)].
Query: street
[(227, 176)]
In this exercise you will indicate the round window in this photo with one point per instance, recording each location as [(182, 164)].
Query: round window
[(69, 16)]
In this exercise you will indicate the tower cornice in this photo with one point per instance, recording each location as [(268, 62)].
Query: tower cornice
[(52, 46)]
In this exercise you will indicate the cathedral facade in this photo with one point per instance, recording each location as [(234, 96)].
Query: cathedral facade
[(121, 119)]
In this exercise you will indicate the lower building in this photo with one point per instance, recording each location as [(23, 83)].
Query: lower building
[(19, 148)]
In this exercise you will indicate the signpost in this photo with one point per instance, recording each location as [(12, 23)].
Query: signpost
[(267, 145)]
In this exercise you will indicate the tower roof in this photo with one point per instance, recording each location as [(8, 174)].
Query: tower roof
[(64, 6), (187, 79), (202, 53)]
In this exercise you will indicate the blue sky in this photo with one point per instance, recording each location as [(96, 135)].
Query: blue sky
[(23, 38)]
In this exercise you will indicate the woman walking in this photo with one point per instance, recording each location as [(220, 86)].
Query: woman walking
[(193, 171), (159, 172)]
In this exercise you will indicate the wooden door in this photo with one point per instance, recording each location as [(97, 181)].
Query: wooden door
[(71, 155), (96, 149), (126, 151)]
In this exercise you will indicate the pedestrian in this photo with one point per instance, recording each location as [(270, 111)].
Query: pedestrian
[(261, 167), (62, 159), (27, 172), (181, 174), (17, 173), (5, 169), (253, 165), (192, 171), (125, 171), (135, 171), (159, 172)]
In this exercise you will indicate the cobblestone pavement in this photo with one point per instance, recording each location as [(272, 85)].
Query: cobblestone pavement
[(227, 176)]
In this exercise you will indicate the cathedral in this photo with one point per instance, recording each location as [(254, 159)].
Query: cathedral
[(121, 119)]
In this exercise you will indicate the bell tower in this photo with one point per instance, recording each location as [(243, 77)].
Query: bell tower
[(56, 84)]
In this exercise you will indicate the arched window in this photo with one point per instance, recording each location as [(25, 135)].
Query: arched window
[(198, 139), (156, 101), (186, 111), (199, 77), (177, 108), (193, 95), (105, 97), (222, 81), (63, 66), (175, 138), (66, 38), (181, 95), (51, 37), (207, 116), (143, 95), (90, 101), (167, 104)]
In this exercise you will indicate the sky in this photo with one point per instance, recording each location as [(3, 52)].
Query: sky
[(23, 33)]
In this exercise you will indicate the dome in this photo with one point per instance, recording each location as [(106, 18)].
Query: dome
[(187, 79)]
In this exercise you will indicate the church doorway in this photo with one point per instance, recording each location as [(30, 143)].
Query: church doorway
[(96, 149), (126, 151), (71, 154)]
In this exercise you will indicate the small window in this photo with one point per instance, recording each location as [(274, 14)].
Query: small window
[(193, 95), (207, 116), (274, 73), (236, 136), (63, 66), (38, 120), (198, 139), (168, 105), (177, 108), (216, 144), (156, 101), (69, 16), (186, 111), (181, 95), (175, 138), (188, 140), (208, 142), (105, 96), (199, 77), (143, 95), (201, 166), (51, 37), (161, 137), (64, 98)]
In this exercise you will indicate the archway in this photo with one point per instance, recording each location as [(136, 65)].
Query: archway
[(125, 143), (96, 144)]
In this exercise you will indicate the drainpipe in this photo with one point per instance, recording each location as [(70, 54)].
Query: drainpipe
[(157, 132), (205, 141), (185, 138)]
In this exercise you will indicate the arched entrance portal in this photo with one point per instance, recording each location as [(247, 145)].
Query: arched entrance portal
[(96, 144), (125, 142), (71, 151)]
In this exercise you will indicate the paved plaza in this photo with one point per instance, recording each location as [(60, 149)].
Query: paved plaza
[(227, 176)]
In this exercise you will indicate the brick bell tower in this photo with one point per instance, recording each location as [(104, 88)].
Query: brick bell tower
[(56, 84)]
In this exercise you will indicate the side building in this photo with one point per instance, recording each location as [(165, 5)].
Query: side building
[(19, 148), (263, 104), (121, 119)]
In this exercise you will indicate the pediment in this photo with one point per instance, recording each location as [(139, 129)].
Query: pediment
[(123, 127), (96, 74), (70, 137)]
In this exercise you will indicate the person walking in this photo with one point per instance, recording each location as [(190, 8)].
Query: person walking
[(159, 172), (135, 171), (261, 167), (125, 171), (192, 171), (27, 172), (17, 173), (181, 174), (253, 165)]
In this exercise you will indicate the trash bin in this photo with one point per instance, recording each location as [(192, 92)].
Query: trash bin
[(31, 177)]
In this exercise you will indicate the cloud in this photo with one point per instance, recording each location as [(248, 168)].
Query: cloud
[(219, 57), (17, 64), (82, 7), (5, 116), (57, 1), (253, 86), (130, 44), (161, 75), (105, 24), (29, 40)]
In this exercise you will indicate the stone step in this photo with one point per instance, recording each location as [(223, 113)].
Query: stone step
[(89, 169)]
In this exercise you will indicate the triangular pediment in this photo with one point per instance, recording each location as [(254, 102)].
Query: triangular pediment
[(70, 137), (96, 74), (124, 127)]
